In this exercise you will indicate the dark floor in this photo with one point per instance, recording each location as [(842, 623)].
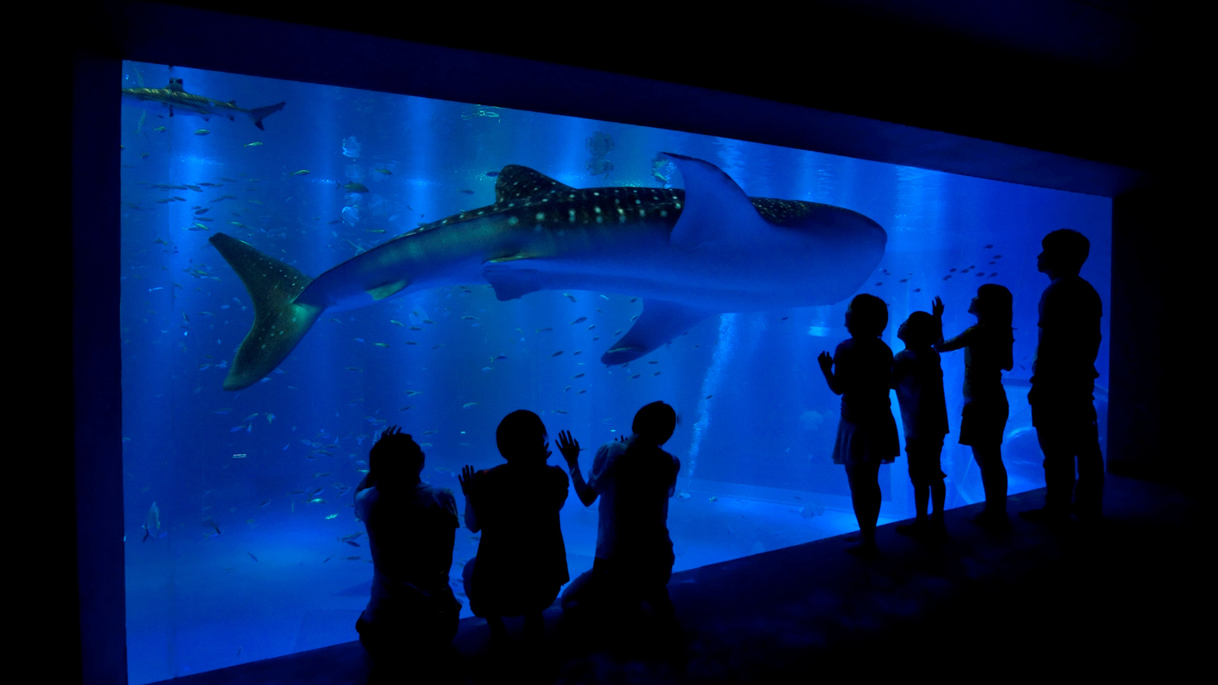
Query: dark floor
[(1124, 600)]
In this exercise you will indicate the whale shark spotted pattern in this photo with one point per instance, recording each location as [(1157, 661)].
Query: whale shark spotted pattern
[(690, 254)]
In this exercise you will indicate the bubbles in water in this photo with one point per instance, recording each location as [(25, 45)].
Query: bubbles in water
[(351, 147)]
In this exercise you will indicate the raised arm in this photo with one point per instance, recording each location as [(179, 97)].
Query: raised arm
[(826, 367), (570, 452), (466, 479)]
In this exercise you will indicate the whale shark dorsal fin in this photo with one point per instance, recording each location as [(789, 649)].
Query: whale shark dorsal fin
[(659, 324), (516, 182), (716, 209)]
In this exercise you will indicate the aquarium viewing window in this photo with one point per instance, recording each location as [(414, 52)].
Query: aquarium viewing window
[(241, 543)]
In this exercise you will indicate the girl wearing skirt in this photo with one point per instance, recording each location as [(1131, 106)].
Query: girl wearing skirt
[(867, 433)]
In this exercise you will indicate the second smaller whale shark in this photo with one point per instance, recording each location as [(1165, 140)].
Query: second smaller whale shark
[(175, 98)]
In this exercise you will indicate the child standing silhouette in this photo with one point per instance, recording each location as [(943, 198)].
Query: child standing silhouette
[(987, 353), (867, 433), (918, 380)]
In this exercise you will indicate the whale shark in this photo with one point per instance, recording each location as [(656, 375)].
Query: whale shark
[(175, 98), (689, 254)]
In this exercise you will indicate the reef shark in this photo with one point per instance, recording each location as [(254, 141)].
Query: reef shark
[(690, 254), (176, 99)]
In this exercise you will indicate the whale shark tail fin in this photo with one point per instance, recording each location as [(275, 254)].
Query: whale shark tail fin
[(279, 323), (260, 113)]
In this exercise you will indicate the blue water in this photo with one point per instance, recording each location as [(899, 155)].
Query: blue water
[(242, 567)]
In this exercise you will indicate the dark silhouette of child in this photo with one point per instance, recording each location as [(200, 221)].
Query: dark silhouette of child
[(634, 479), (410, 526), (867, 433), (918, 380), (987, 353), (521, 562), (1063, 380)]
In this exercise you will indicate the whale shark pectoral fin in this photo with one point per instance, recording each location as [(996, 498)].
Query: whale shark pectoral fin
[(511, 277), (279, 322), (716, 209), (384, 290), (659, 323)]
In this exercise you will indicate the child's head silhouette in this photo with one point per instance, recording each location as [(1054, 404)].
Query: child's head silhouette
[(992, 305), (867, 316), (919, 330), (655, 423), (1065, 250), (521, 437)]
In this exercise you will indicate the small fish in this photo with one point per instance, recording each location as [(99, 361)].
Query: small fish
[(559, 411), (159, 129), (467, 405), (252, 556), (353, 543), (202, 132), (579, 320), (334, 516), (581, 392), (543, 330), (569, 296), (317, 500), (351, 558), (492, 174), (352, 187), (467, 191), (469, 318), (302, 172), (709, 396), (636, 375), (383, 171), (556, 353), (265, 502), (989, 247), (578, 375)]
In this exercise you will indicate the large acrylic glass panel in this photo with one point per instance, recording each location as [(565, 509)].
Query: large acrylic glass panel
[(251, 550)]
